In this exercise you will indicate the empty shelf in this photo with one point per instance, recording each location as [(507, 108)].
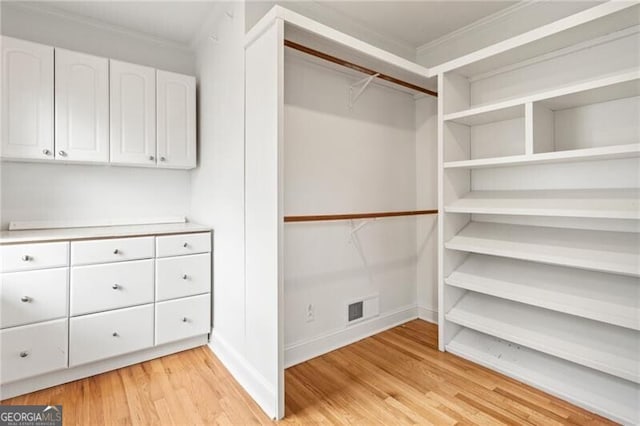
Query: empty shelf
[(484, 115), (614, 299), (613, 152), (594, 203), (608, 348), (604, 394), (607, 251)]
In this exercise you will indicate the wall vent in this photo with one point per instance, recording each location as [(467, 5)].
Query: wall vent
[(356, 311)]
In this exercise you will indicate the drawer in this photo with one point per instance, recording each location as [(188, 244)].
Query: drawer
[(33, 296), (24, 257), (177, 245), (183, 318), (34, 349), (183, 276), (111, 250), (108, 334), (98, 288)]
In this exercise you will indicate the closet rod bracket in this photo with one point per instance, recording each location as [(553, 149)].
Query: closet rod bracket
[(364, 83)]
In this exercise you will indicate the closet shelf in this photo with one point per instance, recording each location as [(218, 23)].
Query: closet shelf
[(594, 203), (613, 152), (622, 85), (604, 394), (606, 251), (607, 348), (613, 299)]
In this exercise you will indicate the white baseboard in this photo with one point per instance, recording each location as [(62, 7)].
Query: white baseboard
[(427, 314), (298, 352), (251, 380), (31, 384)]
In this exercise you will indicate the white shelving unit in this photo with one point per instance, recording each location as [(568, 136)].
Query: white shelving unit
[(539, 260)]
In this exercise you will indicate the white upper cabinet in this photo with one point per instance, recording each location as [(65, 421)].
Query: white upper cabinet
[(27, 100), (82, 107), (176, 120), (133, 118)]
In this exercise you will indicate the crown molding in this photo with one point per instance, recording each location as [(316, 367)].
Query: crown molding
[(52, 11), (482, 22)]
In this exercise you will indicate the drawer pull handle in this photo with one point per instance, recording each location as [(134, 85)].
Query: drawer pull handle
[(185, 245), (26, 258), (185, 319), (185, 276), (62, 153), (25, 299), (116, 251), (115, 287), (24, 354), (151, 158), (115, 334), (163, 159)]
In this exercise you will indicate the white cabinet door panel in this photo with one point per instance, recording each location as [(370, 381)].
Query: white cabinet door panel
[(27, 100), (82, 107), (176, 118), (133, 114)]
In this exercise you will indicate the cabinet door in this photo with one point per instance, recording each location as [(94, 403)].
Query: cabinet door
[(176, 120), (82, 107), (133, 114), (27, 100)]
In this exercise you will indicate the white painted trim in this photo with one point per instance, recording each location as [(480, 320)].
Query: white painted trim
[(574, 48), (89, 223), (40, 7), (298, 352), (558, 26), (428, 315), (248, 377), (9, 390), (487, 20), (329, 33)]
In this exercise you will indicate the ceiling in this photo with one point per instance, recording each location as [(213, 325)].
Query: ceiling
[(416, 23)]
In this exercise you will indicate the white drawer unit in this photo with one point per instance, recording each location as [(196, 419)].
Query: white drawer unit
[(182, 318), (183, 276), (32, 350), (111, 250), (25, 257), (109, 334), (178, 245), (97, 288), (33, 296)]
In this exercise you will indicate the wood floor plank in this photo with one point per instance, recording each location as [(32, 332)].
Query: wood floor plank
[(395, 377)]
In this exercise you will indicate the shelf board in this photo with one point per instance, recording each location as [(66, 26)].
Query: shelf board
[(620, 85), (613, 299), (601, 393), (593, 203), (605, 251), (614, 152), (604, 347)]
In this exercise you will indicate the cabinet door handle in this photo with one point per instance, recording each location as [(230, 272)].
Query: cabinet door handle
[(26, 258), (115, 334), (151, 158), (115, 286), (185, 276), (163, 159), (62, 153), (46, 152), (116, 251), (25, 299), (24, 354), (185, 319), (185, 245)]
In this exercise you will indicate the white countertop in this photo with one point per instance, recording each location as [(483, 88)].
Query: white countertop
[(89, 233)]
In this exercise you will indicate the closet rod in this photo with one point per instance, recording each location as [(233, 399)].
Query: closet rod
[(317, 218), (326, 57)]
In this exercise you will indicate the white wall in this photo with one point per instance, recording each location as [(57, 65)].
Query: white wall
[(39, 191)]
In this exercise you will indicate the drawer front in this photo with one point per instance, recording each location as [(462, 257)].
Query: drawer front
[(178, 245), (33, 296), (183, 276), (34, 349), (108, 334), (183, 318), (25, 257), (97, 288), (111, 250)]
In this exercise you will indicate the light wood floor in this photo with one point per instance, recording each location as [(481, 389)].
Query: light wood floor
[(396, 377)]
